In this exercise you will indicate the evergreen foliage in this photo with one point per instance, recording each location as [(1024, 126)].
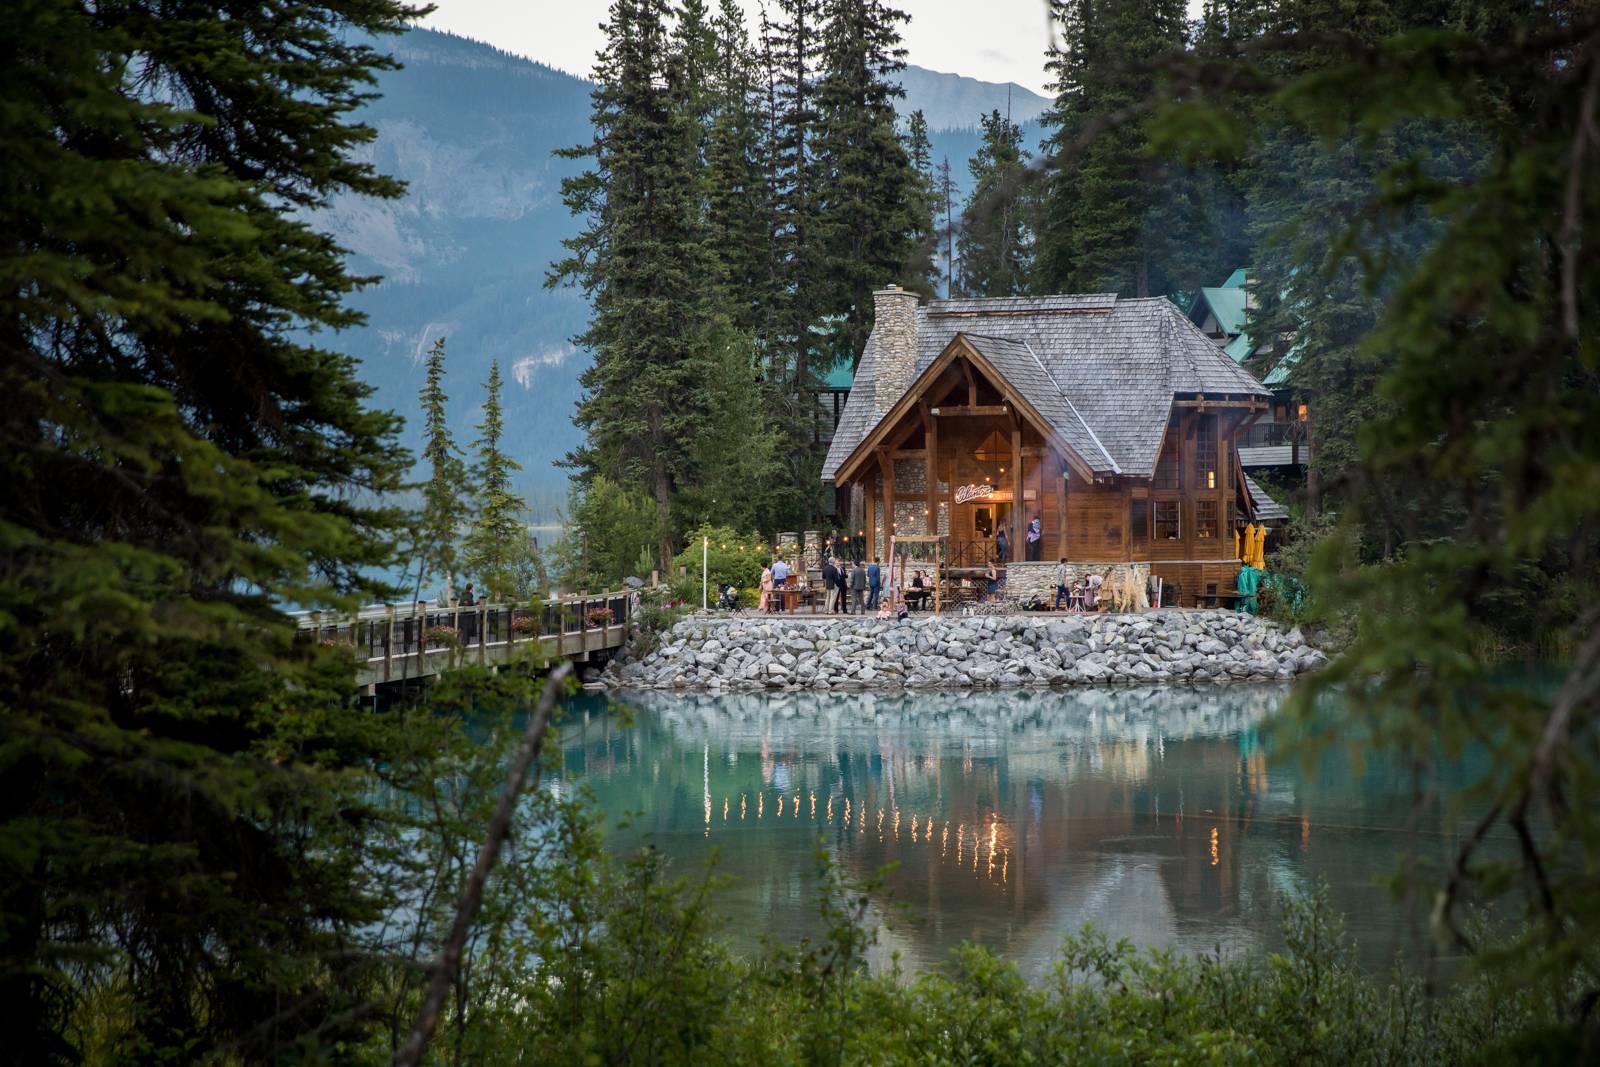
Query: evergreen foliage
[(869, 188), (996, 253), (182, 460), (443, 509), (1113, 216), (642, 260), (500, 553), (922, 203)]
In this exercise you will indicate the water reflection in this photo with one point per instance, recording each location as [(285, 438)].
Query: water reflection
[(1013, 818)]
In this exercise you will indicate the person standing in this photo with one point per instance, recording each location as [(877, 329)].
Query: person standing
[(780, 579), (1035, 539), (1061, 583), (766, 589), (1001, 544), (874, 584), (830, 585), (858, 587)]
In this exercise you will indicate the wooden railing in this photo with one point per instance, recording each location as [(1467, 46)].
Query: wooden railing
[(397, 641)]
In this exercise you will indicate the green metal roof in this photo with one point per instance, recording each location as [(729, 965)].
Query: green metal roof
[(1279, 375), (1240, 348), (1228, 306), (840, 376), (1236, 280)]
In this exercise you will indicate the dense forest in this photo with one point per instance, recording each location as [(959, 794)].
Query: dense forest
[(211, 852)]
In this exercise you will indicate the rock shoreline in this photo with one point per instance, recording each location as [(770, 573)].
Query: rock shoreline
[(714, 653)]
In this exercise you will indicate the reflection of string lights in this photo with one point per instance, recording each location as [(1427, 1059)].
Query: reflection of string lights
[(1214, 857), (889, 822)]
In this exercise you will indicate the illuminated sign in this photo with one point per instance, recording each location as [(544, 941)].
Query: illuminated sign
[(965, 493)]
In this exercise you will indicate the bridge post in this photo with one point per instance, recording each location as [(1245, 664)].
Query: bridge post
[(388, 643), (421, 609), (483, 631)]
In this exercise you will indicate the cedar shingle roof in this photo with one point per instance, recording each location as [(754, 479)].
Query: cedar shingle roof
[(1115, 366)]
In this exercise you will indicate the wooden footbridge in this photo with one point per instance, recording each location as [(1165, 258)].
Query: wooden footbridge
[(396, 643)]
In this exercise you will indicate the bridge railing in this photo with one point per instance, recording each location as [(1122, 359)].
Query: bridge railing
[(397, 640)]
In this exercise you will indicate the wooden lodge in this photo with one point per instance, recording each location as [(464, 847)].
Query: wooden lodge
[(1112, 421)]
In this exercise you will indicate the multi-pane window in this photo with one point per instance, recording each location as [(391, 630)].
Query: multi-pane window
[(1139, 520), (1167, 476), (1205, 519), (1166, 520), (1205, 452)]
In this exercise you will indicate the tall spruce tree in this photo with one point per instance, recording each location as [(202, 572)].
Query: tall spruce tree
[(922, 203), (995, 243), (737, 197), (869, 201), (498, 539), (179, 834), (801, 286), (1112, 215), (443, 508), (944, 190), (642, 260)]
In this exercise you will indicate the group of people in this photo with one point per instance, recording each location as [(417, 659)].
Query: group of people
[(1084, 593), (848, 587)]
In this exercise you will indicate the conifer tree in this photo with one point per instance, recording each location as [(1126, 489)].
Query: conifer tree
[(182, 460), (1113, 216), (642, 259), (737, 201), (498, 536), (920, 273), (869, 201), (801, 286), (943, 189), (995, 252), (443, 509)]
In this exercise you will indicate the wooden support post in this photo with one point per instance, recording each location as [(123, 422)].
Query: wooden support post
[(316, 627), (1063, 483), (931, 439), (887, 466), (388, 643), (1016, 489), (483, 632), (870, 536)]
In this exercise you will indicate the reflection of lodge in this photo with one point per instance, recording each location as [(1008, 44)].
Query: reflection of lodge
[(1007, 827), (1111, 421)]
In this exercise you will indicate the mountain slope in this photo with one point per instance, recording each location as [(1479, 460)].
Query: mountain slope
[(472, 131), (954, 101)]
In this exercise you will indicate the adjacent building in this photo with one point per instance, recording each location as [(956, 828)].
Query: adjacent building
[(1111, 421), (1279, 438)]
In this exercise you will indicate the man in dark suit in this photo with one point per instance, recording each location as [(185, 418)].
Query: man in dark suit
[(858, 587), (874, 584), (830, 583)]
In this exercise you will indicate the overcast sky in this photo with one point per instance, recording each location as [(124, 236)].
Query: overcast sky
[(995, 40)]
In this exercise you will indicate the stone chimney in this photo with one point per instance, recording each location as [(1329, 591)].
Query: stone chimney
[(894, 325)]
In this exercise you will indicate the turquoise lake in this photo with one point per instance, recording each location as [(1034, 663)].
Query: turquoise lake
[(1171, 817)]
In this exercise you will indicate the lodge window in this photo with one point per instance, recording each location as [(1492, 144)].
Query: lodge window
[(1167, 476), (1166, 520), (1205, 519), (1139, 520), (1205, 452)]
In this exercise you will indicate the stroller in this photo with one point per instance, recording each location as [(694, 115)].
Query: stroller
[(728, 598)]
